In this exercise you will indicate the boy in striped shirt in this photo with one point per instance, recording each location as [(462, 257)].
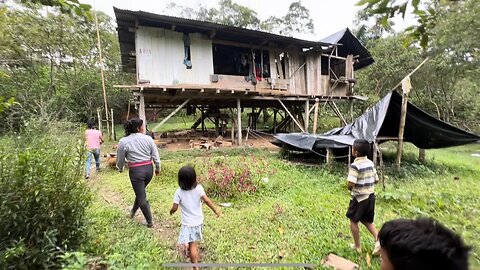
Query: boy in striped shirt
[(361, 180)]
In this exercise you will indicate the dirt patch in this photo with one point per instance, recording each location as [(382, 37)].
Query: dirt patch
[(183, 140)]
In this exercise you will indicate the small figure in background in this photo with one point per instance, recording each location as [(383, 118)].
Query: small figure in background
[(94, 139)]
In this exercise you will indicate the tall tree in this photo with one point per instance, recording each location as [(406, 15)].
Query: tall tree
[(296, 21)]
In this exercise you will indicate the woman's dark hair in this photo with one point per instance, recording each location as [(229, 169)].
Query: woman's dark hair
[(362, 147), (131, 126), (423, 244), (187, 178)]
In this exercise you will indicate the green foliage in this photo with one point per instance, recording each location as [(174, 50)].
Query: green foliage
[(426, 16), (296, 21), (43, 197), (51, 68), (65, 6)]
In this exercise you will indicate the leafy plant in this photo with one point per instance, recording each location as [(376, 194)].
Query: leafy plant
[(43, 198)]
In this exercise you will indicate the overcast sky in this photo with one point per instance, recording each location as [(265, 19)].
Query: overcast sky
[(328, 16)]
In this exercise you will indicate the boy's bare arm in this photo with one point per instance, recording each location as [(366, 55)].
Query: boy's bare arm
[(210, 204), (350, 185), (174, 208)]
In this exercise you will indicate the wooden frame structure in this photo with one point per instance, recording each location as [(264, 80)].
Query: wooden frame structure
[(183, 63)]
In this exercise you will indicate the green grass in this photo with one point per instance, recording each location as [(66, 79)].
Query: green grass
[(298, 214)]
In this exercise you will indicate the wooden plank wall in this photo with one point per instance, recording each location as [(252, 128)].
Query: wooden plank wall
[(160, 54), (298, 78), (313, 76)]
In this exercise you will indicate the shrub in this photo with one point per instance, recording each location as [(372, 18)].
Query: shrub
[(229, 180), (43, 198)]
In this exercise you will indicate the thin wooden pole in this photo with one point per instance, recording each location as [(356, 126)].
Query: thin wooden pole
[(102, 70), (291, 116), (239, 122), (275, 121), (113, 126), (170, 115), (99, 119), (128, 111), (401, 129), (307, 114), (315, 116), (141, 111)]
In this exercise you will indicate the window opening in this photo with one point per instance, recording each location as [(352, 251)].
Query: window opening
[(187, 60)]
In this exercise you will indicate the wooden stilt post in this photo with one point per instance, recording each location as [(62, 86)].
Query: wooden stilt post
[(307, 114), (141, 109), (329, 156), (351, 110), (375, 153), (128, 111), (349, 156), (239, 122), (113, 126), (315, 116), (421, 155), (203, 119), (275, 121)]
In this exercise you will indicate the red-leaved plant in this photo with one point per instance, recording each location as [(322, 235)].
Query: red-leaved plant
[(239, 176)]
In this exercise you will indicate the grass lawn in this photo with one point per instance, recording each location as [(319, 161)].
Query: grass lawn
[(298, 215)]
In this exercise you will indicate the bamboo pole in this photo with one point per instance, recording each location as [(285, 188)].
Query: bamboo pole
[(102, 71), (99, 119)]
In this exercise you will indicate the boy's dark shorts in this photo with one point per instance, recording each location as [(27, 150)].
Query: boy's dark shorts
[(362, 211)]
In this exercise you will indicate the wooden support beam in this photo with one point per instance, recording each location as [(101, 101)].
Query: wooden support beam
[(291, 116), (239, 122), (375, 153), (329, 157), (114, 137), (170, 115), (173, 27), (275, 121), (307, 115), (315, 116), (141, 110), (421, 155)]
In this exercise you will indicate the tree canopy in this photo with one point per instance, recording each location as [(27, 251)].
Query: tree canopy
[(296, 21)]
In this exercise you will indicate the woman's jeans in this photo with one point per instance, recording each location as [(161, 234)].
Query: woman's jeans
[(96, 154)]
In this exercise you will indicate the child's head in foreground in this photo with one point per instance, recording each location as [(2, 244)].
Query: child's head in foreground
[(187, 178), (361, 148), (421, 244)]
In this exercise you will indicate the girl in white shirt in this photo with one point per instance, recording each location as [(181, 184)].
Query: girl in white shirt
[(189, 196)]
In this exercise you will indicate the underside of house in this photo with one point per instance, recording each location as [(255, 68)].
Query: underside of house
[(184, 63)]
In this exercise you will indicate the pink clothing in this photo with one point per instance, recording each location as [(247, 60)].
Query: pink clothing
[(94, 138)]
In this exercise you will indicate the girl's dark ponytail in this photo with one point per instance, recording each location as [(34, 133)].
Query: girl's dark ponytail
[(127, 127)]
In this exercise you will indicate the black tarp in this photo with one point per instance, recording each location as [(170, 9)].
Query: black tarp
[(349, 44), (381, 122)]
